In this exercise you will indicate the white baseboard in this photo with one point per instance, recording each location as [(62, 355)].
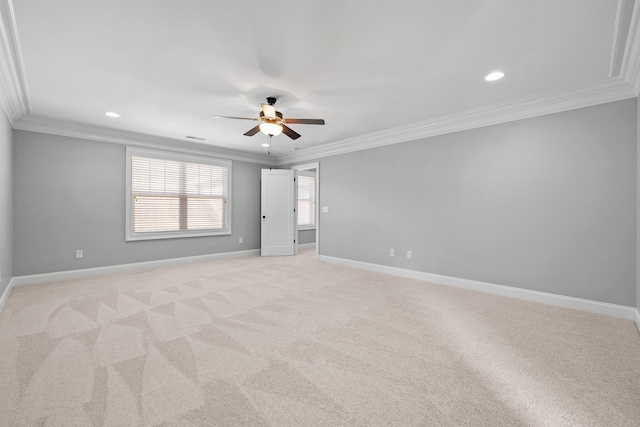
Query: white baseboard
[(6, 293), (98, 271), (620, 311), (613, 310), (306, 245)]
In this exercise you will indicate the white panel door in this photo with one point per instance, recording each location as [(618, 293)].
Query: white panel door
[(278, 212)]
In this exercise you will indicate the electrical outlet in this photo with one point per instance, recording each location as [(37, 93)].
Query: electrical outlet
[(409, 254), (240, 240), (392, 252), (79, 253), (325, 209)]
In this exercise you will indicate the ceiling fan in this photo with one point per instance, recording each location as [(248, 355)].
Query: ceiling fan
[(272, 122)]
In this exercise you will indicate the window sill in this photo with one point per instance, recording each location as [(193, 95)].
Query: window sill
[(175, 235)]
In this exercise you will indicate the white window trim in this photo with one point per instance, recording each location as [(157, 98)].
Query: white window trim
[(314, 175), (169, 155)]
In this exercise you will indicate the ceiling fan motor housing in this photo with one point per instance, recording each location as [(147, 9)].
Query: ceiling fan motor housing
[(277, 119)]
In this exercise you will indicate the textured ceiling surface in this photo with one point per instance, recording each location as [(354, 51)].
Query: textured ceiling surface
[(364, 66)]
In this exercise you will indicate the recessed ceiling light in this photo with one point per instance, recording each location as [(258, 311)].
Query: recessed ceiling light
[(496, 75), (112, 114), (266, 144)]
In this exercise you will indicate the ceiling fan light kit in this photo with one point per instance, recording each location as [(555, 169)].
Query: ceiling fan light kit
[(272, 123), (271, 129)]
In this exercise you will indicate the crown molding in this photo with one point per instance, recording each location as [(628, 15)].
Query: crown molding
[(578, 96), (573, 97), (14, 95), (630, 67), (114, 136), (624, 13)]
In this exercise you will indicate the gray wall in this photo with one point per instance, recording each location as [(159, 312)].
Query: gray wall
[(638, 211), (6, 201), (547, 204), (306, 236), (70, 194)]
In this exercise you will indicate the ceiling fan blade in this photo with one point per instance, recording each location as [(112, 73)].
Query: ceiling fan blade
[(305, 121), (233, 117), (290, 132), (269, 110), (252, 131)]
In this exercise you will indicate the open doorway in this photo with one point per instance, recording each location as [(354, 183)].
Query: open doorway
[(308, 230)]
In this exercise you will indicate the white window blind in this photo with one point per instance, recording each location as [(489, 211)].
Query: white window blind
[(174, 195), (306, 201)]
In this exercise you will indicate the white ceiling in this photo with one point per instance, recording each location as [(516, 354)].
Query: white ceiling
[(365, 66)]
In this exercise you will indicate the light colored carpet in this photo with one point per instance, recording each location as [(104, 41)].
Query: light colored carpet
[(290, 341)]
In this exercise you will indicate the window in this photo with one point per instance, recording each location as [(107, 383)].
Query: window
[(176, 195), (306, 200)]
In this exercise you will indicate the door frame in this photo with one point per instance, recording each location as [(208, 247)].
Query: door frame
[(316, 166)]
